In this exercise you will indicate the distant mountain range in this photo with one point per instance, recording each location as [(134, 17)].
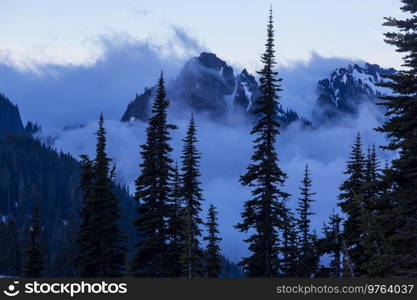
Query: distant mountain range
[(207, 84), (32, 171)]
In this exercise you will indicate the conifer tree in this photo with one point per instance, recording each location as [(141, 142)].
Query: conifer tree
[(153, 192), (372, 178), (351, 200), (34, 264), (191, 258), (371, 238), (13, 252), (212, 253), (381, 228), (264, 213), (176, 226), (331, 243), (101, 242), (10, 248), (307, 249), (290, 255), (400, 129)]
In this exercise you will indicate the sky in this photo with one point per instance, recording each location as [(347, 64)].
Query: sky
[(67, 31), (65, 61)]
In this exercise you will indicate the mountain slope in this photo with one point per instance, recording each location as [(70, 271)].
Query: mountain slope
[(346, 90), (32, 172), (10, 121), (207, 85)]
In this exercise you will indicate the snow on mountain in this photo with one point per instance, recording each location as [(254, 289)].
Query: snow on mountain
[(346, 89), (206, 84)]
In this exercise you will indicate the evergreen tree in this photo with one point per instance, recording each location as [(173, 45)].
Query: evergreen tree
[(212, 253), (315, 255), (331, 243), (191, 258), (381, 221), (372, 178), (153, 192), (369, 214), (400, 129), (101, 242), (351, 200), (34, 264), (175, 225), (68, 251), (307, 249), (290, 260), (264, 213), (10, 248)]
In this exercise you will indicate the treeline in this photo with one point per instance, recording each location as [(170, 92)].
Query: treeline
[(374, 236)]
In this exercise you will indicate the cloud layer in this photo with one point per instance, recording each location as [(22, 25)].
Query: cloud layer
[(57, 95)]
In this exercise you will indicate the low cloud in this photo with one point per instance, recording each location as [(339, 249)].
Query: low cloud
[(300, 80), (57, 95), (226, 152)]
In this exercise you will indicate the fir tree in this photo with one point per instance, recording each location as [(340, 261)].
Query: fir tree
[(372, 178), (371, 237), (153, 192), (331, 243), (10, 248), (290, 260), (379, 242), (351, 200), (101, 242), (34, 264), (191, 258), (307, 249), (265, 212), (400, 129), (175, 225), (212, 253)]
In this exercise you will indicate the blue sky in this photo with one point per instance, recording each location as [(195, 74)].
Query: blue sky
[(66, 31)]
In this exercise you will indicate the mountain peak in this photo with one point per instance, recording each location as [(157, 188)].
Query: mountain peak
[(347, 88), (210, 60), (205, 84)]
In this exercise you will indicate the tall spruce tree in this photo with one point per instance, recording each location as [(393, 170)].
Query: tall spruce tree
[(192, 256), (289, 250), (379, 242), (101, 242), (307, 248), (88, 252), (10, 248), (265, 213), (212, 254), (351, 200), (331, 244), (371, 237), (34, 264), (401, 130), (176, 226), (153, 191)]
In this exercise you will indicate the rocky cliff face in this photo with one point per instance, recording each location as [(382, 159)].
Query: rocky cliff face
[(346, 89), (208, 85)]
